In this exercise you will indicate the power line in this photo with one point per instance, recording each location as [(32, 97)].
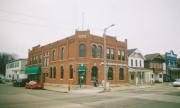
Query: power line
[(19, 22), (21, 14)]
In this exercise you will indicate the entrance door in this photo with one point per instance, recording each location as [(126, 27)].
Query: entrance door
[(82, 77)]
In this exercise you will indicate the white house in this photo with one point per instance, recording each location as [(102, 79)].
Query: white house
[(137, 73), (16, 69)]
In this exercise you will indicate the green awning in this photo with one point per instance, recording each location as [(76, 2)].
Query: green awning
[(33, 70), (81, 68)]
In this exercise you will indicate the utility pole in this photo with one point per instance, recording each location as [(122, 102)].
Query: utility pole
[(105, 61)]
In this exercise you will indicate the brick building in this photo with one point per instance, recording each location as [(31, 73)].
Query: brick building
[(79, 58)]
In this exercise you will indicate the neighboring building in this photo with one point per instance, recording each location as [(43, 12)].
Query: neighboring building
[(155, 62), (16, 69), (172, 70), (178, 62), (137, 72), (79, 57)]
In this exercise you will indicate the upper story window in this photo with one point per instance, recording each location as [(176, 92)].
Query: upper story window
[(123, 55), (119, 54), (169, 63), (62, 53), (132, 62), (53, 54), (108, 53), (174, 63), (46, 59), (140, 63), (33, 59), (82, 50), (113, 53), (40, 58), (94, 49), (100, 51), (36, 59), (136, 63), (17, 64), (30, 58)]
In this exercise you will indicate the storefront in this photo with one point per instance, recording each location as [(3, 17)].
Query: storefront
[(33, 73)]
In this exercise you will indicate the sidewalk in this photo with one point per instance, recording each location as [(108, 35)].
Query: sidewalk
[(64, 88)]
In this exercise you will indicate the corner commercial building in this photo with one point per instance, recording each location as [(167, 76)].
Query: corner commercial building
[(79, 58)]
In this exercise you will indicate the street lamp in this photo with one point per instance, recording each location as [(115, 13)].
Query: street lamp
[(105, 65)]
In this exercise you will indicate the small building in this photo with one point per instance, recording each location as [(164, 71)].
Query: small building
[(137, 73), (178, 62), (79, 59), (155, 62), (172, 70), (16, 69)]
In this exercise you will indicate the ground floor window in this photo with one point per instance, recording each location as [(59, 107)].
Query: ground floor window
[(110, 73), (50, 71), (121, 74), (71, 72), (62, 72), (94, 73), (152, 76), (54, 72), (132, 76)]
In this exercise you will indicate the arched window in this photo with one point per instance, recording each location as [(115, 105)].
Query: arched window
[(100, 51), (71, 72), (94, 48), (54, 72), (62, 72), (121, 74), (82, 50), (94, 73), (50, 71), (110, 73)]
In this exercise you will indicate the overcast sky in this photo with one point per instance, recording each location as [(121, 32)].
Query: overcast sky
[(152, 26)]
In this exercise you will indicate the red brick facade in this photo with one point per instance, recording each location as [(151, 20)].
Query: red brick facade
[(65, 53)]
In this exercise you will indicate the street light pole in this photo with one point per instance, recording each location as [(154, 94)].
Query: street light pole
[(105, 61)]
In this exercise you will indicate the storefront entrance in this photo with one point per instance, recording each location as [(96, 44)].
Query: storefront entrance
[(82, 74), (82, 77)]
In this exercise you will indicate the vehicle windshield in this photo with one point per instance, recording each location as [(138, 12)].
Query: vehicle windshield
[(177, 80)]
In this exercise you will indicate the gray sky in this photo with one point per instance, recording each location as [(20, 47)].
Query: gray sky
[(150, 25)]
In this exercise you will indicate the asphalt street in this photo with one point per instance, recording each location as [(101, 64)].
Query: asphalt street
[(154, 97)]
